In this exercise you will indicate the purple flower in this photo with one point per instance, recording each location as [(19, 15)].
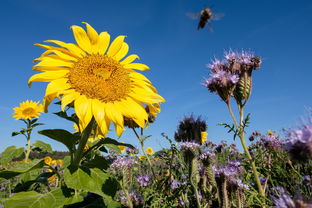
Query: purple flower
[(176, 184), (299, 144), (271, 142), (135, 198), (191, 146), (233, 78), (207, 156), (122, 163), (144, 180)]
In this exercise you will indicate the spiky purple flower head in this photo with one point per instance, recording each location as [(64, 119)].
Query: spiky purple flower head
[(299, 144), (176, 184), (135, 198), (190, 146)]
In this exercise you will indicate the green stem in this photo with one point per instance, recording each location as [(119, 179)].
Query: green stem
[(29, 129), (122, 184), (82, 143), (194, 179), (141, 140), (251, 160)]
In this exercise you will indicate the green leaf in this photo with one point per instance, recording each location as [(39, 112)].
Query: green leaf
[(44, 147), (37, 124), (93, 180), (22, 167), (64, 115), (63, 136), (97, 162), (9, 153), (32, 199)]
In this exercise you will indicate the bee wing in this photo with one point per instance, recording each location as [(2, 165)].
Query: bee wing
[(217, 16), (193, 15)]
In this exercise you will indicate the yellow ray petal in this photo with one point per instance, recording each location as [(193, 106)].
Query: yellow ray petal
[(145, 97), (119, 130), (138, 76), (47, 100), (103, 42), (139, 66), (98, 111), (62, 55), (116, 45), (53, 48), (133, 110), (70, 46), (56, 86), (129, 59), (50, 68), (68, 98), (113, 114), (122, 52), (81, 38), (83, 110), (92, 34), (50, 61), (47, 76)]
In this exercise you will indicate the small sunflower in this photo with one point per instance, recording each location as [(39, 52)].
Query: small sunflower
[(142, 157), (149, 150), (28, 110), (48, 160), (98, 79)]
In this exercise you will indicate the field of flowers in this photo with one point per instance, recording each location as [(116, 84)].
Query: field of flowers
[(98, 88)]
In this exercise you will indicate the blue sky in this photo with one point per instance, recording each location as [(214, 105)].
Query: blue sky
[(167, 40)]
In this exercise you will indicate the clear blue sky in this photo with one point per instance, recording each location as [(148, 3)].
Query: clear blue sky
[(167, 40)]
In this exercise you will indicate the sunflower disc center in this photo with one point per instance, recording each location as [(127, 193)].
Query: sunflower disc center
[(28, 111), (100, 77)]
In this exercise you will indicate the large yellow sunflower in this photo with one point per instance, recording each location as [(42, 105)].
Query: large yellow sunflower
[(98, 79), (28, 110)]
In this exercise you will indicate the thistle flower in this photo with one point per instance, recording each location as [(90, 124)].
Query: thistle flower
[(144, 180), (190, 129), (299, 144)]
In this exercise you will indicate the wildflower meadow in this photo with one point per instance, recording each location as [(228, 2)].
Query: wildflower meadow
[(103, 88)]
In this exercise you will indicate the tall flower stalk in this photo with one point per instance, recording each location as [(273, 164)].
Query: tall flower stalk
[(232, 77), (28, 112)]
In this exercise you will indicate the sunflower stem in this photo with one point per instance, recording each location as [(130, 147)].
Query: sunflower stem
[(82, 143), (29, 129)]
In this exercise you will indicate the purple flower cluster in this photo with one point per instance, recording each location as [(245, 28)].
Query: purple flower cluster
[(233, 169), (237, 183), (135, 198), (176, 184), (271, 142), (207, 157), (144, 180), (191, 146), (122, 163), (134, 150), (226, 73), (299, 144)]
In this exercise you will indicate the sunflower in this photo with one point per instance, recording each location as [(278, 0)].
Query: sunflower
[(98, 79), (28, 110), (149, 150), (203, 136)]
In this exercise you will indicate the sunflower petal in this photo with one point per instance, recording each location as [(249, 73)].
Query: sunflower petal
[(50, 61), (103, 42), (139, 66), (113, 114), (129, 59), (116, 45), (81, 38), (92, 34), (47, 100), (68, 98), (57, 86), (47, 76), (98, 111), (83, 110), (122, 52), (73, 48)]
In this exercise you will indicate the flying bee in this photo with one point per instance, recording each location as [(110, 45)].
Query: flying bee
[(205, 17)]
